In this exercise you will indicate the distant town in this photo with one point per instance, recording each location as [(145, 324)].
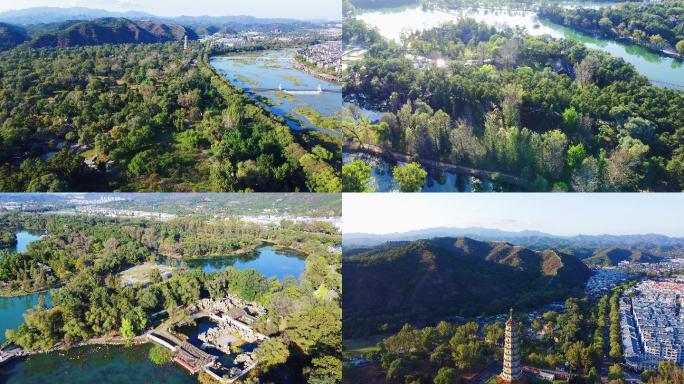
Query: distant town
[(652, 323), (248, 38), (320, 55)]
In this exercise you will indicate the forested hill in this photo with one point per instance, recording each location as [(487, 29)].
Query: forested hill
[(613, 256), (429, 279), (607, 250), (11, 36), (112, 31)]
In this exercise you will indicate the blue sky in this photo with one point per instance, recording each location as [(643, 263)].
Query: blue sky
[(555, 213), (297, 9)]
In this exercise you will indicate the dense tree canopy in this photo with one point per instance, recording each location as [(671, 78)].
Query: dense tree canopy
[(145, 117), (550, 111), (83, 255)]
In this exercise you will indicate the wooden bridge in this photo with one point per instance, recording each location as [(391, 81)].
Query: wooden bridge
[(187, 355)]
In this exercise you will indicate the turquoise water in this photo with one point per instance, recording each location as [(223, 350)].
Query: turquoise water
[(394, 22), (12, 311), (25, 238), (269, 261), (100, 364), (12, 308), (265, 72), (111, 364)]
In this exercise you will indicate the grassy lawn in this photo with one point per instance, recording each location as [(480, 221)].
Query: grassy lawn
[(362, 345)]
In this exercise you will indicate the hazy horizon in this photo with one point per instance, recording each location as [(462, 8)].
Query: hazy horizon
[(265, 9), (554, 214), (509, 231)]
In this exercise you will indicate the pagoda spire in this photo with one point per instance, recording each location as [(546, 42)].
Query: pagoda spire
[(512, 370)]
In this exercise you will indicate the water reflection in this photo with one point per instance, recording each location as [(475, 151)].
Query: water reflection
[(394, 22), (267, 260)]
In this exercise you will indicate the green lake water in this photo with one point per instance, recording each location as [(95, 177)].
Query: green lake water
[(12, 311)]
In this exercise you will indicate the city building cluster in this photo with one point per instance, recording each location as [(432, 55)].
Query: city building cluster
[(665, 266), (112, 212), (652, 323), (326, 55), (603, 280), (275, 220), (239, 39)]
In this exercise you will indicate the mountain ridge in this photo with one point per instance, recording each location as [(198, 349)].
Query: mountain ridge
[(582, 246), (110, 31), (11, 36), (428, 279), (44, 15), (442, 231)]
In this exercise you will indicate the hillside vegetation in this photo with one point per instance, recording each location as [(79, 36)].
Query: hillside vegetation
[(112, 31), (11, 36), (426, 279), (145, 117), (611, 257)]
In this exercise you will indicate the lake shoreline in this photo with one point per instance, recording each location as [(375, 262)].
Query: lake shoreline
[(623, 39), (3, 295), (242, 251), (440, 165), (95, 341), (277, 107), (311, 71), (662, 69)]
